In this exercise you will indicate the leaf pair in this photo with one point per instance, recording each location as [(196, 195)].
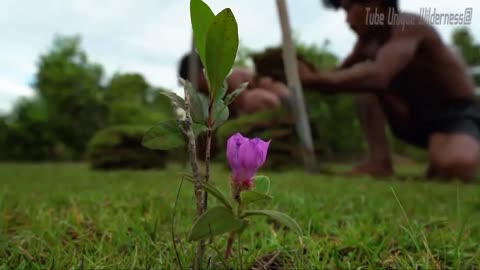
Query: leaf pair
[(167, 135), (216, 41), (211, 189), (222, 219), (219, 220)]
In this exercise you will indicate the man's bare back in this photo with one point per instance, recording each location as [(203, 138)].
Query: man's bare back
[(434, 73)]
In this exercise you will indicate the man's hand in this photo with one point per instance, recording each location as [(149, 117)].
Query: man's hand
[(305, 72), (316, 80)]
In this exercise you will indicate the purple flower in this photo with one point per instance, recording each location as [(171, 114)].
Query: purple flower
[(245, 156)]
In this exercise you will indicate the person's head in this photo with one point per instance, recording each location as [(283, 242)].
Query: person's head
[(356, 12), (184, 68)]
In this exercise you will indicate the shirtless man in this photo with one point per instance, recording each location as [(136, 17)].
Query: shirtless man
[(262, 94), (409, 77)]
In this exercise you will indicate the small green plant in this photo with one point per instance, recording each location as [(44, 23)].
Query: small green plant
[(245, 156), (216, 42)]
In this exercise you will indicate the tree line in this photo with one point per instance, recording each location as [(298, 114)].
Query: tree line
[(74, 99)]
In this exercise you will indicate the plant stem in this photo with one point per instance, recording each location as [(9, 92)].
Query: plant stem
[(207, 155), (228, 251), (192, 150), (231, 236)]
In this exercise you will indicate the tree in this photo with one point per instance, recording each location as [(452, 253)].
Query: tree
[(3, 137), (131, 100), (465, 43), (320, 57), (71, 105), (129, 87), (70, 87), (29, 134)]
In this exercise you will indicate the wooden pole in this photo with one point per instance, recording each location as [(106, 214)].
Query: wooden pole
[(293, 80)]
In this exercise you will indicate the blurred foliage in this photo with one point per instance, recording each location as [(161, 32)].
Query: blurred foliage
[(120, 147), (463, 40), (319, 56), (74, 100), (469, 49), (70, 86), (334, 117), (243, 59), (131, 100), (130, 87), (72, 103), (4, 129), (29, 134)]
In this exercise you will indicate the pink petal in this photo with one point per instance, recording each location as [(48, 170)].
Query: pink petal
[(233, 144), (249, 157), (262, 146)]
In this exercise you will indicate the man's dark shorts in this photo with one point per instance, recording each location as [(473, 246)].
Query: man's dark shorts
[(461, 117)]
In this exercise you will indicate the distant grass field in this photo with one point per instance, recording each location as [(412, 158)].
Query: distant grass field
[(65, 216)]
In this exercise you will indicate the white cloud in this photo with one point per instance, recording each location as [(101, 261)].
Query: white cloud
[(12, 88)]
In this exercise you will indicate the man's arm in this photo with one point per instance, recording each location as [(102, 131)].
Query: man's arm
[(353, 58), (368, 76)]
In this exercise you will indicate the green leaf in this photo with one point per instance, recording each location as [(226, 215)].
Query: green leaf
[(174, 98), (211, 189), (221, 49), (251, 196), (220, 113), (277, 216), (233, 95), (222, 91), (201, 17), (163, 136), (217, 220), (199, 106), (215, 192), (262, 184), (198, 129)]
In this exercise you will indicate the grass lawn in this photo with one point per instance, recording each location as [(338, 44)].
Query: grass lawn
[(64, 216)]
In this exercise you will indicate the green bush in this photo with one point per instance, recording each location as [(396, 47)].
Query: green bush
[(28, 134), (120, 147)]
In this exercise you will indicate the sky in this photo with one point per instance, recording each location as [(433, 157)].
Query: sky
[(149, 36)]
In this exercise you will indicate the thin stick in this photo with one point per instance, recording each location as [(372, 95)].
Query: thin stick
[(192, 150), (228, 251)]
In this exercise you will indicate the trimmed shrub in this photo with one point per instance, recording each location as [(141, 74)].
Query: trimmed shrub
[(120, 147)]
